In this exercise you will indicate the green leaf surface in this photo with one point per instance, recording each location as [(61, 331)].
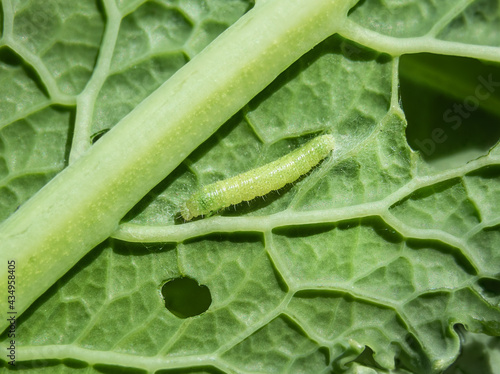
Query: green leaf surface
[(383, 259)]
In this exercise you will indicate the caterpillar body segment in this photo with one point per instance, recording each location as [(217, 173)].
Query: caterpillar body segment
[(259, 181)]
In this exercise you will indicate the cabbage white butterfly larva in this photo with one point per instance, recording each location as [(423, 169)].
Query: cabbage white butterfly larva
[(259, 181)]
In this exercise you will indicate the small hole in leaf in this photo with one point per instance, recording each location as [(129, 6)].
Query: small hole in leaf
[(98, 135), (490, 286), (184, 297)]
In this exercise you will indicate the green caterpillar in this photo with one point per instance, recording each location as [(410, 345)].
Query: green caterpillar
[(259, 181)]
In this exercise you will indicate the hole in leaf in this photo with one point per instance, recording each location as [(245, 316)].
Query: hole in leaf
[(452, 105), (184, 297), (98, 135), (366, 359), (490, 286), (475, 352)]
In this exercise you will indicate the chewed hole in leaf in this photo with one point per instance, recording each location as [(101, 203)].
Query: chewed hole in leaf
[(490, 286), (98, 135), (185, 297), (452, 105)]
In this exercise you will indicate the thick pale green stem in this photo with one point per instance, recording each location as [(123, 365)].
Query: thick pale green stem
[(82, 206)]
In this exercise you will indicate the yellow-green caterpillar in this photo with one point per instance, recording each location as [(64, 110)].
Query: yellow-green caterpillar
[(259, 181)]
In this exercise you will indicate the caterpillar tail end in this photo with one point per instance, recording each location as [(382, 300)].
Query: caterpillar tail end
[(185, 213)]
